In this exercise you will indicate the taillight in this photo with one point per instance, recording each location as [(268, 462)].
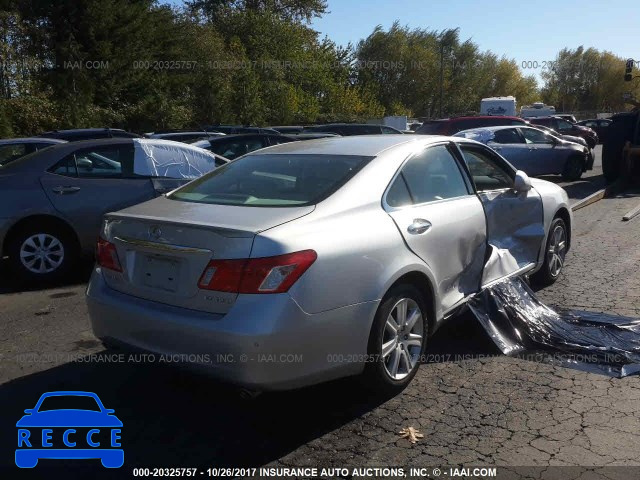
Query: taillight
[(107, 256), (257, 275)]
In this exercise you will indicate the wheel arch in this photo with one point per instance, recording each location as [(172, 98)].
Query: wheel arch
[(40, 219), (424, 284), (564, 214)]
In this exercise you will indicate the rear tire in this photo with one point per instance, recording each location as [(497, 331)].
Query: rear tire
[(554, 254), (573, 169), (41, 253), (397, 340)]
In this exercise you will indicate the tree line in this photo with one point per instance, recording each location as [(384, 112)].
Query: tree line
[(144, 65)]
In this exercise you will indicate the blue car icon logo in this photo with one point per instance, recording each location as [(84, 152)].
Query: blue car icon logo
[(69, 425)]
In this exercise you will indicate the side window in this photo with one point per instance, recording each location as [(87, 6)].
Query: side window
[(11, 152), (105, 162), (465, 125), (536, 136), (237, 147), (564, 125), (388, 130), (485, 170), (273, 140), (66, 167), (398, 195), (434, 175), (508, 135)]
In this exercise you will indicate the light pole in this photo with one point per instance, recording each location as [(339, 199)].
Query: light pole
[(441, 75)]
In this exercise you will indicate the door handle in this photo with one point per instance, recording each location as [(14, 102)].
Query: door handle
[(65, 190), (419, 225)]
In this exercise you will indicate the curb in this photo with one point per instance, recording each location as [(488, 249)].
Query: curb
[(615, 187)]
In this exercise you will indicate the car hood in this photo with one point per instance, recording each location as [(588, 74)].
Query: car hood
[(69, 418), (574, 139), (544, 188)]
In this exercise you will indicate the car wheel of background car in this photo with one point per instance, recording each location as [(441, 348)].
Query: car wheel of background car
[(573, 169), (397, 340), (41, 253), (555, 252)]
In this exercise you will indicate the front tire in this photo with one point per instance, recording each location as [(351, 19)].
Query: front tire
[(397, 340), (41, 253), (573, 169), (554, 256)]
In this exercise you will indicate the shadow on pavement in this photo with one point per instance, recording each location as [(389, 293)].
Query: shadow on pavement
[(79, 275)]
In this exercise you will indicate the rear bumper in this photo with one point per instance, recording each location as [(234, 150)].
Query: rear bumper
[(264, 342)]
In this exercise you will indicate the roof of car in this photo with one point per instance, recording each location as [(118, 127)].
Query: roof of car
[(52, 141), (493, 128), (363, 145), (81, 130), (472, 117)]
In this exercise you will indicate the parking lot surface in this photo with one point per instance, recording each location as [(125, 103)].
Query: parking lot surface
[(473, 405)]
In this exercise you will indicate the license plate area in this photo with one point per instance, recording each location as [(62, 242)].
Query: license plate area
[(160, 272)]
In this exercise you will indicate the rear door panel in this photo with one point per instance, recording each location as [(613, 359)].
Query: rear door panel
[(83, 201), (441, 221), (453, 247)]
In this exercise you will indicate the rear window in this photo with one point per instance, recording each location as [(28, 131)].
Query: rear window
[(273, 180)]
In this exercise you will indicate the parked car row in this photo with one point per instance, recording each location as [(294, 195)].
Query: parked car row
[(64, 188)]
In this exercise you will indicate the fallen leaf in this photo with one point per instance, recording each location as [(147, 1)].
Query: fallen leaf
[(410, 433)]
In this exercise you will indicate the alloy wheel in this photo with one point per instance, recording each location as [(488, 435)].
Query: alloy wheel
[(402, 339), (557, 250)]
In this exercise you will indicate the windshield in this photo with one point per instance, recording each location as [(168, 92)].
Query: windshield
[(69, 402), (273, 180)]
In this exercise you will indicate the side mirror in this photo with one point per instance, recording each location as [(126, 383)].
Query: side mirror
[(521, 183)]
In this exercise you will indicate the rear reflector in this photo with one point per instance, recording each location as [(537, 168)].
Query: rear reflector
[(257, 275), (107, 256)]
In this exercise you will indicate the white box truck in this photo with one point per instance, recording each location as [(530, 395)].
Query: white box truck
[(498, 106)]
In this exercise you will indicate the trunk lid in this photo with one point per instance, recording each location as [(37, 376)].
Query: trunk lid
[(164, 246)]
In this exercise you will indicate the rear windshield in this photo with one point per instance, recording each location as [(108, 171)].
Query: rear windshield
[(273, 180)]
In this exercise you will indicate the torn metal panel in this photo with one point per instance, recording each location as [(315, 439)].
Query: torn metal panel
[(499, 265), (161, 158), (518, 322), (515, 228)]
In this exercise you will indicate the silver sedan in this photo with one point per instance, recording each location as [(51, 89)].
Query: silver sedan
[(309, 261)]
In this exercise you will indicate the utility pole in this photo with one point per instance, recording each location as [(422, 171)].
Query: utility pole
[(441, 74)]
